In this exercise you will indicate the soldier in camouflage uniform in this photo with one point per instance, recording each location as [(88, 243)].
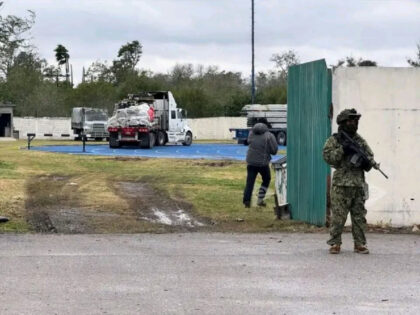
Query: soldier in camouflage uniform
[(349, 189)]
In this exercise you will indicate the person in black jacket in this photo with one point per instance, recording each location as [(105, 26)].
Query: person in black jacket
[(262, 144)]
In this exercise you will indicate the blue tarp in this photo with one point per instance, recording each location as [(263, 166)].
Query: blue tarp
[(195, 151)]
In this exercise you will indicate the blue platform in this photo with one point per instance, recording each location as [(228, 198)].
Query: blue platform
[(195, 151)]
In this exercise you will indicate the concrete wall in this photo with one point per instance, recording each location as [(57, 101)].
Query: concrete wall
[(389, 101), (56, 126), (216, 128)]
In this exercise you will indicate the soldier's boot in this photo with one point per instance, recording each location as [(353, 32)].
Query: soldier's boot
[(261, 195), (361, 249), (247, 204), (3, 219), (261, 203), (335, 249)]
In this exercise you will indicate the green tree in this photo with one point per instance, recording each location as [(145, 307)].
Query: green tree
[(123, 68), (99, 94), (99, 71), (207, 92), (12, 38), (140, 81), (51, 73), (50, 101), (271, 88), (24, 76), (130, 54), (62, 56), (182, 73)]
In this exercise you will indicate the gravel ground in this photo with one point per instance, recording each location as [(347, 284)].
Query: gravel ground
[(202, 273)]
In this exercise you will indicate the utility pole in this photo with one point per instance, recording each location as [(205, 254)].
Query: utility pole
[(253, 69), (67, 70)]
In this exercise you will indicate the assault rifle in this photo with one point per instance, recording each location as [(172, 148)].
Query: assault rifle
[(359, 158)]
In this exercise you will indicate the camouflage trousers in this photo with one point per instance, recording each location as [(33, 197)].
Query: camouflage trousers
[(344, 200)]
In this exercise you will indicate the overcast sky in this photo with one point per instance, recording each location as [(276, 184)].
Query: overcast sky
[(218, 32)]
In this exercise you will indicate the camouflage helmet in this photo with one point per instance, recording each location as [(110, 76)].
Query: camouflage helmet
[(347, 114)]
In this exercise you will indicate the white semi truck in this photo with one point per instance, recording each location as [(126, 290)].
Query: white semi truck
[(130, 125), (89, 122)]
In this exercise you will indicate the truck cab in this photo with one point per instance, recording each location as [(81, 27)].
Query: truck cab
[(89, 122), (178, 130)]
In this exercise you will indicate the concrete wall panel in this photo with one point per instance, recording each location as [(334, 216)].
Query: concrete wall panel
[(389, 101), (215, 128), (57, 126)]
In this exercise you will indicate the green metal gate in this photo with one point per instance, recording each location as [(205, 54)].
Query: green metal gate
[(308, 126)]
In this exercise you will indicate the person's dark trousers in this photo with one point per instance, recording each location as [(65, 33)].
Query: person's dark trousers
[(252, 172)]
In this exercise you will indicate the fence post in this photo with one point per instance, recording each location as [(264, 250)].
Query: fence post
[(31, 137)]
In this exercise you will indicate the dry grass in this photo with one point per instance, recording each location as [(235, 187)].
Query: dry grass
[(35, 180)]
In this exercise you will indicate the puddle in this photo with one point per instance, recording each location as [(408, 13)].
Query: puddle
[(174, 217), (154, 206)]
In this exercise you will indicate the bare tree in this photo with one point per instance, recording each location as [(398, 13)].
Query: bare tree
[(12, 30), (415, 62), (353, 62), (285, 60)]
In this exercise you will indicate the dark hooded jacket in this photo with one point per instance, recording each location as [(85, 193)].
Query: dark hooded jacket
[(262, 144)]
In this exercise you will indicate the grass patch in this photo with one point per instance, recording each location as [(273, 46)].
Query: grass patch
[(7, 169), (41, 180)]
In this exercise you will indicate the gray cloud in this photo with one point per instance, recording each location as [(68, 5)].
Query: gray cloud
[(217, 32)]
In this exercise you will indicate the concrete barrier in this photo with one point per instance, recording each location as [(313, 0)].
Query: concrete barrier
[(389, 101), (43, 128), (215, 128)]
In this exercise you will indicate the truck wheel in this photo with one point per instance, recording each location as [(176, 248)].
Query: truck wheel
[(160, 139), (144, 141), (281, 138), (152, 140), (77, 135), (188, 139), (113, 141), (147, 141)]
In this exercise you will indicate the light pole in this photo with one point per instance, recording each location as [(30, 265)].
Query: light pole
[(252, 69)]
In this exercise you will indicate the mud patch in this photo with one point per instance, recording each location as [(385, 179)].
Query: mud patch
[(154, 206), (221, 163), (56, 204), (52, 206), (126, 158)]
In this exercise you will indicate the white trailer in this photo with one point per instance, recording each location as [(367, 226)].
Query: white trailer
[(273, 115)]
